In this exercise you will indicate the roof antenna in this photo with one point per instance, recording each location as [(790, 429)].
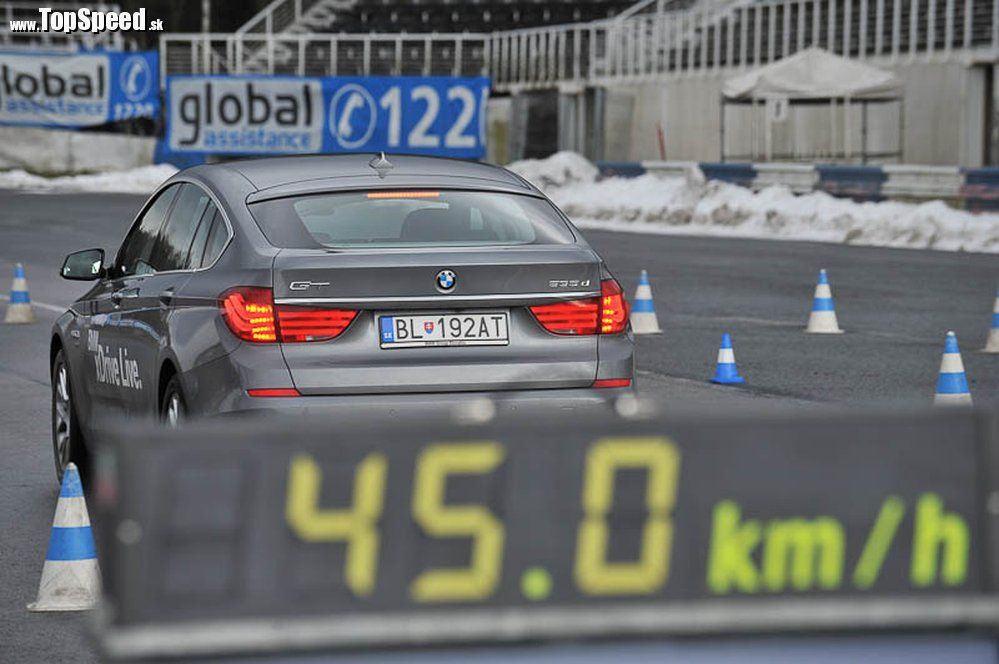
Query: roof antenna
[(381, 165)]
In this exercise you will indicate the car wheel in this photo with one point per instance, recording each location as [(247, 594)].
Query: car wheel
[(67, 438), (173, 411)]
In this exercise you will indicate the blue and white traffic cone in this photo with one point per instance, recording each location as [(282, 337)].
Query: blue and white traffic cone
[(823, 317), (992, 345), (643, 309), (71, 580), (952, 385), (19, 309), (726, 372)]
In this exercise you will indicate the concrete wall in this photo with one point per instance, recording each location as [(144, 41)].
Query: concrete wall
[(944, 118), (498, 126), (62, 152)]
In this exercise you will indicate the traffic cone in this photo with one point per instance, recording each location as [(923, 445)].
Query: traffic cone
[(725, 372), (71, 580), (823, 317), (19, 309), (643, 309), (952, 385), (992, 345)]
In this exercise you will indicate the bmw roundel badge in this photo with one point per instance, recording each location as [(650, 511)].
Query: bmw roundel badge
[(446, 280)]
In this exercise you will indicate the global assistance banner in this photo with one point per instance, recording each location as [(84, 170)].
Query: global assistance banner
[(435, 115), (77, 90)]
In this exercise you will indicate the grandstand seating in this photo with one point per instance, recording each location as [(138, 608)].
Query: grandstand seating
[(471, 15), (424, 16)]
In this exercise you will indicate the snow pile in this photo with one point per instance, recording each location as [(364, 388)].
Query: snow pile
[(140, 180), (558, 170), (687, 206)]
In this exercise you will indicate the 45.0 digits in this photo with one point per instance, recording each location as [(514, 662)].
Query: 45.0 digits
[(593, 573)]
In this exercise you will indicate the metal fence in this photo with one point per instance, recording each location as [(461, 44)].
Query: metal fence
[(711, 36), (281, 15), (325, 54)]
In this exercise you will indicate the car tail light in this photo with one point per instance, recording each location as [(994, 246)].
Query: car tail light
[(612, 382), (569, 317), (273, 392), (613, 308), (297, 323), (607, 314), (251, 314)]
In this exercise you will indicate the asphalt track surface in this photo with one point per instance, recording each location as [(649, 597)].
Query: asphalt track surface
[(895, 306)]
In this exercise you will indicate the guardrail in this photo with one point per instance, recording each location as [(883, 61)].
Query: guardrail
[(976, 189), (281, 535)]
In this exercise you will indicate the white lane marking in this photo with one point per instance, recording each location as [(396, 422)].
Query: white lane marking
[(41, 305)]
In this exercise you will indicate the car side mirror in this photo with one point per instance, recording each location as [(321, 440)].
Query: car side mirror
[(86, 265)]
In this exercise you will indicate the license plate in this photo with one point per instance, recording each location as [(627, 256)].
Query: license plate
[(439, 329)]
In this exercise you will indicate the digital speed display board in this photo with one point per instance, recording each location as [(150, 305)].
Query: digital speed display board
[(399, 533)]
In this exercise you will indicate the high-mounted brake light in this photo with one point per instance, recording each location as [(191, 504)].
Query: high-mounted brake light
[(607, 314), (250, 312), (404, 194)]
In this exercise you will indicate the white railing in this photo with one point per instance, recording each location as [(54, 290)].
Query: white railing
[(365, 54), (282, 15), (275, 17), (712, 36), (652, 41)]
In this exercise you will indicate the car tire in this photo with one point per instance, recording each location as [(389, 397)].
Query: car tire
[(68, 444), (173, 409)]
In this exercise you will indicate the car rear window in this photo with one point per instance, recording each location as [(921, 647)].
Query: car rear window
[(420, 218)]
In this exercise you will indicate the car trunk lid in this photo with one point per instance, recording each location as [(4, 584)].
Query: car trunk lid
[(487, 280)]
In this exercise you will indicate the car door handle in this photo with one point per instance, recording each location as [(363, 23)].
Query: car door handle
[(119, 295), (166, 297)]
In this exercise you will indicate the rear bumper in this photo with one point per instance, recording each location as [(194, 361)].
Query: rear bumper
[(219, 387), (429, 405)]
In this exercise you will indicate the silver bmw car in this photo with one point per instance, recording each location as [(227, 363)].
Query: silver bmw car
[(337, 283)]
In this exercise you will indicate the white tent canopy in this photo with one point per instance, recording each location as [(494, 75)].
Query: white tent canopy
[(813, 74)]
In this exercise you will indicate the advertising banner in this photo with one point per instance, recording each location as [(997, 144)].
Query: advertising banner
[(266, 115), (77, 90), (383, 532)]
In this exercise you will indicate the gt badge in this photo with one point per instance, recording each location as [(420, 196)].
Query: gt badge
[(306, 285), (446, 280)]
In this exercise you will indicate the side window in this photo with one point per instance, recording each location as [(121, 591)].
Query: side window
[(137, 249), (197, 250), (217, 238), (174, 242)]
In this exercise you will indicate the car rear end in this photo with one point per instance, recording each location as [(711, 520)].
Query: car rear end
[(427, 297)]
